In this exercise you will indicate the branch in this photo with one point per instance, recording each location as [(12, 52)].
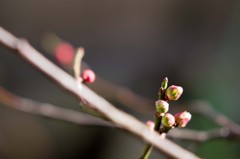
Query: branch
[(44, 109), (206, 109), (65, 81), (201, 136), (123, 95)]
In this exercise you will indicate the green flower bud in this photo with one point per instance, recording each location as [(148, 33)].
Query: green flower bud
[(182, 118), (168, 120), (174, 92), (164, 83), (161, 107)]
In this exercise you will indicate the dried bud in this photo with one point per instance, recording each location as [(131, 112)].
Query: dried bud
[(150, 124), (168, 120), (174, 92), (88, 76), (182, 118), (161, 106)]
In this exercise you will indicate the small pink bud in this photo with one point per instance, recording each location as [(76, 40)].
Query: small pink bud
[(168, 120), (150, 124), (88, 76), (161, 106), (182, 118), (174, 92)]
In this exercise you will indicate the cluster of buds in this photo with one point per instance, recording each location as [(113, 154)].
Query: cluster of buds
[(168, 120)]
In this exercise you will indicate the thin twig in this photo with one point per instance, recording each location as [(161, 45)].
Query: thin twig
[(48, 110), (77, 63), (201, 136), (206, 109), (121, 119), (123, 95)]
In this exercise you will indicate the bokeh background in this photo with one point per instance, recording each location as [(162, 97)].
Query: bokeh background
[(134, 44)]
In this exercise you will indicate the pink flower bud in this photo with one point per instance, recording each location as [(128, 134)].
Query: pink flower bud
[(161, 106), (88, 76), (168, 120), (174, 92), (182, 118), (150, 124)]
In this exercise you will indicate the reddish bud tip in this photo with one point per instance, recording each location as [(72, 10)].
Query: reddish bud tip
[(88, 76), (182, 118), (161, 106), (174, 92), (168, 120), (64, 53)]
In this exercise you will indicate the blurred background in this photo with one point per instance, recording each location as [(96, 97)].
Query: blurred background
[(134, 44)]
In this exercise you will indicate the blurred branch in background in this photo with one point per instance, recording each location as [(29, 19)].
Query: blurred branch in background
[(66, 82), (201, 136), (206, 109), (48, 110)]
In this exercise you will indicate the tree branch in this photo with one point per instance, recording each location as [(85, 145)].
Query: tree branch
[(121, 119), (201, 136), (206, 109), (48, 110)]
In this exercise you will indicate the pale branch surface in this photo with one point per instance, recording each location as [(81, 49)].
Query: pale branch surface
[(65, 81), (48, 110), (123, 95)]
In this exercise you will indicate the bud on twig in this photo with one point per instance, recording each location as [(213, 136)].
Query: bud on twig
[(164, 83), (161, 106), (182, 118), (174, 92), (168, 120), (88, 76)]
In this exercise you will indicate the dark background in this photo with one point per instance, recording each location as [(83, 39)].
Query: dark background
[(132, 43)]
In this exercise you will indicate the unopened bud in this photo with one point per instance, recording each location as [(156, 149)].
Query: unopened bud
[(174, 92), (164, 83), (182, 118), (88, 76), (161, 106), (168, 120)]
